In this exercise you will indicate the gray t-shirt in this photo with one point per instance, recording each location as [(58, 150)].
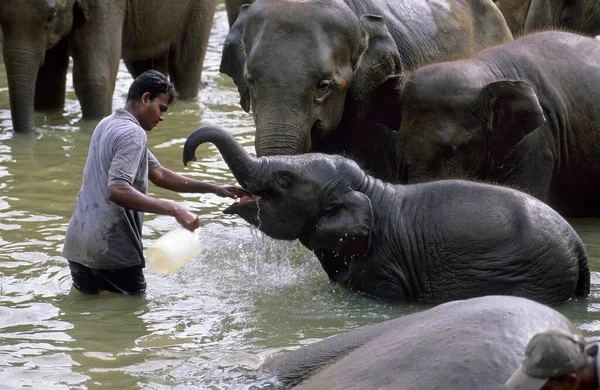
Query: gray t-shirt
[(102, 234)]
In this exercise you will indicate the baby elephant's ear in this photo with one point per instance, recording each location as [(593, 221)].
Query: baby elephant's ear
[(345, 227)]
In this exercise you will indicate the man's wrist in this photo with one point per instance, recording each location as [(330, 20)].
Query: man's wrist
[(174, 210)]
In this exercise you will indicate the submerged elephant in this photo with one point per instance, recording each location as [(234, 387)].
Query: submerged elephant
[(432, 242), (39, 35), (307, 69), (471, 344), (582, 16), (524, 114)]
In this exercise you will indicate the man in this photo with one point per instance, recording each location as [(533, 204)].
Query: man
[(557, 360), (103, 243)]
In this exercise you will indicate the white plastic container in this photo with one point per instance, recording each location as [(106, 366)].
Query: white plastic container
[(167, 254)]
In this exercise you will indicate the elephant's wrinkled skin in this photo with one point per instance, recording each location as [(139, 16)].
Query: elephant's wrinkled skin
[(582, 16), (515, 13), (233, 9), (39, 35), (524, 114), (471, 344), (432, 242), (307, 69)]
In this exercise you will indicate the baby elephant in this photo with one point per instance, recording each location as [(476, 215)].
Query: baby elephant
[(471, 344), (433, 242)]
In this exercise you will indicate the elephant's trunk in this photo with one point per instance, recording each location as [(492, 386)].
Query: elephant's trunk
[(281, 139), (22, 66), (243, 166)]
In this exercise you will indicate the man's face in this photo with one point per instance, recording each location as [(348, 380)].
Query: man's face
[(153, 111)]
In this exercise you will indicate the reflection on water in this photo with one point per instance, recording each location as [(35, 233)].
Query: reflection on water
[(209, 325)]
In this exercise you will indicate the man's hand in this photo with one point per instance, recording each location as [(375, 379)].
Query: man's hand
[(229, 192), (186, 219)]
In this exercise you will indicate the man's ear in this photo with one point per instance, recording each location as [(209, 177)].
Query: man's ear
[(345, 227), (146, 97), (572, 381)]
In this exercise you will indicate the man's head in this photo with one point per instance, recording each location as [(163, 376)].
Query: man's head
[(149, 97), (554, 359)]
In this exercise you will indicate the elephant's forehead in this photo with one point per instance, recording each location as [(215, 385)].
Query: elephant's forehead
[(306, 13), (441, 83)]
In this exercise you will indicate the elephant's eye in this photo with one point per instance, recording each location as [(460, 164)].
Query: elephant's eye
[(249, 79), (285, 182), (325, 84), (51, 18)]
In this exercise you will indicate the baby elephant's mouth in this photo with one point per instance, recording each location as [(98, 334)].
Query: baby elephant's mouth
[(246, 207)]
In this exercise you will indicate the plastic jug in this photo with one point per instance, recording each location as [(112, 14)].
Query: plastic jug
[(167, 254)]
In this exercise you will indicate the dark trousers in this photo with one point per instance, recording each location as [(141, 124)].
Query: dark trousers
[(126, 281)]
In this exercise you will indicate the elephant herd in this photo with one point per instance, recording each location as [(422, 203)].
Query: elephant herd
[(424, 150)]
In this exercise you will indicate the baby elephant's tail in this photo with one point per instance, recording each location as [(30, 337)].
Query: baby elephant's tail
[(583, 282)]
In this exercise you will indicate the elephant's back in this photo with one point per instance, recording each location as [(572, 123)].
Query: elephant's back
[(475, 343), (496, 240), (428, 31)]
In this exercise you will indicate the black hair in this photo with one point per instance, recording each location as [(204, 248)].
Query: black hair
[(155, 83)]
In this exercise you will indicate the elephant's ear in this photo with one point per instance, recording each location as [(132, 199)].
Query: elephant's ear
[(233, 58), (345, 227), (379, 60), (513, 111), (81, 13)]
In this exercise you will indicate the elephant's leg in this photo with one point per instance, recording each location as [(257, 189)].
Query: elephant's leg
[(52, 77), (96, 52), (187, 56), (138, 67)]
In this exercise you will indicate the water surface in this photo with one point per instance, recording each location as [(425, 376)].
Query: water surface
[(211, 324)]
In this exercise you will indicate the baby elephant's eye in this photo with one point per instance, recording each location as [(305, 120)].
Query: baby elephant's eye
[(285, 182)]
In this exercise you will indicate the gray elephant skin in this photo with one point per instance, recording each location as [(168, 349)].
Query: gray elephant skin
[(307, 69), (515, 13), (233, 9), (524, 114), (432, 242), (471, 344), (39, 36), (582, 16)]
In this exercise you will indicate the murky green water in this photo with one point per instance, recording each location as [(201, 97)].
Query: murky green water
[(208, 326)]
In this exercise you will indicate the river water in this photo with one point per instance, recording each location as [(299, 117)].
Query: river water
[(208, 326)]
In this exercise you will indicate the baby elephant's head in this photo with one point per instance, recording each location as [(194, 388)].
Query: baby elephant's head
[(311, 197)]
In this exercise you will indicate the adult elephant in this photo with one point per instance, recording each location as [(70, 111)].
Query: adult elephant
[(39, 35), (582, 16), (431, 242), (524, 114), (471, 344), (515, 13), (307, 69)]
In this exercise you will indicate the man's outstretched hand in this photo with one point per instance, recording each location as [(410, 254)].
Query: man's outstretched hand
[(229, 192)]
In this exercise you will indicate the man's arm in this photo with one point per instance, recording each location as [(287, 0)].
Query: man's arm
[(130, 198), (169, 180)]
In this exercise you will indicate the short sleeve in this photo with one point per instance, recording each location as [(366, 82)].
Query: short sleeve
[(129, 149), (152, 161)]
